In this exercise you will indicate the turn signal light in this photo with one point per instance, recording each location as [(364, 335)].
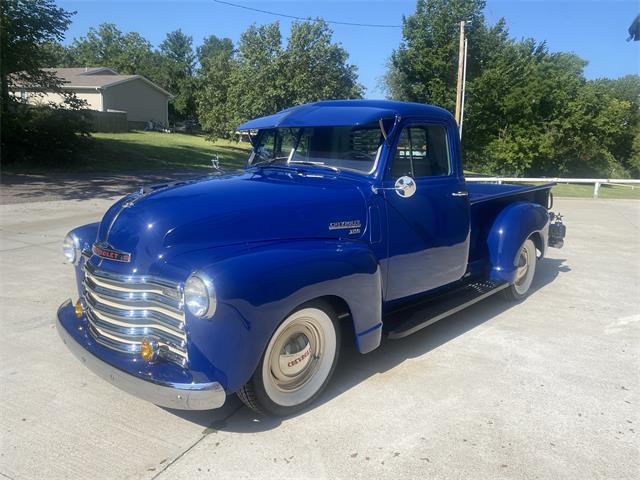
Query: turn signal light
[(78, 309), (148, 350)]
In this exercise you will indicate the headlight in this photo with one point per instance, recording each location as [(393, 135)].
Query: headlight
[(200, 296), (71, 248)]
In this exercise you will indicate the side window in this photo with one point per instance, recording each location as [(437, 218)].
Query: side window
[(422, 151)]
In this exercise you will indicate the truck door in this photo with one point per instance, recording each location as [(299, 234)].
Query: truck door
[(428, 232)]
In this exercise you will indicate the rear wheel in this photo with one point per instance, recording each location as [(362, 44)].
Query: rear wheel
[(297, 363), (525, 271)]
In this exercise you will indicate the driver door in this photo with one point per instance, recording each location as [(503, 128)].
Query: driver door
[(428, 238)]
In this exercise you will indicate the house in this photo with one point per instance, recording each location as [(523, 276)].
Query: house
[(106, 91)]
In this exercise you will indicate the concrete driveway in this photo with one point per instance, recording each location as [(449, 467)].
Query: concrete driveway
[(548, 388)]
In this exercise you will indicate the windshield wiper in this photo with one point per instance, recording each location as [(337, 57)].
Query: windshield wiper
[(316, 164)]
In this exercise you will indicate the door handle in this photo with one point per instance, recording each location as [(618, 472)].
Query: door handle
[(460, 194)]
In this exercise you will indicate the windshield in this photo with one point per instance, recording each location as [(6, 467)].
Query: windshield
[(348, 148)]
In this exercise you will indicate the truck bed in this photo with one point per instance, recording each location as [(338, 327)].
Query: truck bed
[(488, 199), (484, 192)]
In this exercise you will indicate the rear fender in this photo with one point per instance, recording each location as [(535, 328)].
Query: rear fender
[(513, 225), (260, 287)]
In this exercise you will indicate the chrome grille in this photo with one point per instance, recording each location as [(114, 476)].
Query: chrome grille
[(123, 310)]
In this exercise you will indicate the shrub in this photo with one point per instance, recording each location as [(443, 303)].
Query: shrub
[(41, 135)]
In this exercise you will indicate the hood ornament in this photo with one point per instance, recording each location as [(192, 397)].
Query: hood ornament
[(215, 163)]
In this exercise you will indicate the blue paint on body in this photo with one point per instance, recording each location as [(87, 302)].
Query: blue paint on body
[(263, 236)]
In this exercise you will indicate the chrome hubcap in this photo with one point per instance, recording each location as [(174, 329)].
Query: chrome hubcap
[(295, 357), (523, 266)]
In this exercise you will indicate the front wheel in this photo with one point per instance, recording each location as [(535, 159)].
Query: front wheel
[(525, 271), (297, 363)]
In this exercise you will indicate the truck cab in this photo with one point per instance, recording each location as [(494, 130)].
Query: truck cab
[(350, 217)]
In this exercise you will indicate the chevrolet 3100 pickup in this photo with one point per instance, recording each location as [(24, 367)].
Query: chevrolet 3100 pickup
[(351, 218)]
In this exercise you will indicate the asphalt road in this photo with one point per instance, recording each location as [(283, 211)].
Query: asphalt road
[(29, 187), (549, 388)]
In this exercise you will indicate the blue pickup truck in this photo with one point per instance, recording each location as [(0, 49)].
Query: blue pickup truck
[(351, 220)]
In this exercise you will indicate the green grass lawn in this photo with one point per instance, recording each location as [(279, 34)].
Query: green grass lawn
[(147, 151), (585, 190), (581, 190), (138, 150)]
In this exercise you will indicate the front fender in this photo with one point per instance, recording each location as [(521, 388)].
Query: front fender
[(259, 287), (85, 236), (513, 225)]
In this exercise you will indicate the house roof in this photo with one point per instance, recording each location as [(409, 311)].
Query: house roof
[(344, 113), (96, 77)]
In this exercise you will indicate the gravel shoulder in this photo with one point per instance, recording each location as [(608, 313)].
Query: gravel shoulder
[(29, 188)]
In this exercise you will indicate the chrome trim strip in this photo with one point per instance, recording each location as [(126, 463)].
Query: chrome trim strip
[(133, 340), (132, 279), (133, 305), (126, 315), (130, 287), (132, 327), (132, 349), (181, 396), (113, 344), (133, 296)]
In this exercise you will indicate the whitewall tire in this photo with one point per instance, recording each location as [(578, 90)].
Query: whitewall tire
[(297, 363), (525, 264)]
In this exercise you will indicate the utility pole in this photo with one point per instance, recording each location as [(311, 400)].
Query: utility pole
[(464, 83), (460, 73)]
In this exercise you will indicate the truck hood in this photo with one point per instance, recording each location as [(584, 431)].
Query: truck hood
[(267, 205)]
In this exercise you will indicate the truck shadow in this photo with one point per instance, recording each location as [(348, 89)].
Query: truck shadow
[(354, 368)]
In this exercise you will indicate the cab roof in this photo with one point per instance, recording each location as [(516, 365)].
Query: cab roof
[(344, 113)]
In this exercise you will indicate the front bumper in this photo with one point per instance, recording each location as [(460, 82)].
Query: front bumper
[(180, 396)]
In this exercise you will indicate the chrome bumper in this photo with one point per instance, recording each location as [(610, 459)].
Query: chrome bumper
[(180, 396)]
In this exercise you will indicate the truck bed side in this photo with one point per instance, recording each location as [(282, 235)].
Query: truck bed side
[(487, 201), (485, 192)]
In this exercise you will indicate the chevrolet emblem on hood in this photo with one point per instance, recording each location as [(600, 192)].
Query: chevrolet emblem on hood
[(105, 250)]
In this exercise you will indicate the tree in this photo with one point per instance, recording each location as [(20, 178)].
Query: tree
[(25, 29), (626, 89), (107, 46), (177, 71), (257, 85), (527, 110), (262, 76), (216, 58), (41, 134), (318, 68), (178, 48), (634, 158), (424, 67), (56, 55), (212, 48)]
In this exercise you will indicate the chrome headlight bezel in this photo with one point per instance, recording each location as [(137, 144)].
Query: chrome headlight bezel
[(200, 295), (71, 249)]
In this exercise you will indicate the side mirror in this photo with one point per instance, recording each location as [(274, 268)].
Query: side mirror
[(405, 186)]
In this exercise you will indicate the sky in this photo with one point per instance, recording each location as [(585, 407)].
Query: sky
[(596, 30)]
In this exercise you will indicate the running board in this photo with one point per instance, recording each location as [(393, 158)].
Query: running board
[(415, 318)]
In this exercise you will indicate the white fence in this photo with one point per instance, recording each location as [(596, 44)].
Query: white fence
[(597, 182)]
